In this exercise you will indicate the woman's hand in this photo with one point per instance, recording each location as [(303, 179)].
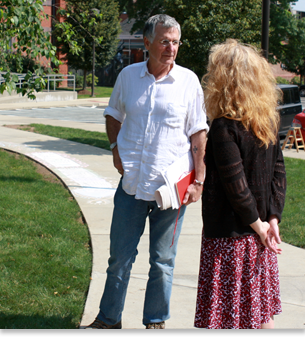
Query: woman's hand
[(273, 237), (268, 233), (261, 228)]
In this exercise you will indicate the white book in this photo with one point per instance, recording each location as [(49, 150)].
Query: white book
[(167, 194)]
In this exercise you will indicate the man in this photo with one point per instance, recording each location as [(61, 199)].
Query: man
[(154, 117)]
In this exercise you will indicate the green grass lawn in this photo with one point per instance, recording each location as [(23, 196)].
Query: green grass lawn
[(98, 91), (45, 256), (292, 227)]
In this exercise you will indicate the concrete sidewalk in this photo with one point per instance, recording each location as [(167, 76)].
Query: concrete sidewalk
[(89, 174)]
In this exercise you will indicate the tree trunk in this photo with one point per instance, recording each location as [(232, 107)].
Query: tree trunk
[(85, 80)]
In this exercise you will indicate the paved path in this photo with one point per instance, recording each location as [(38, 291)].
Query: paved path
[(75, 114), (89, 102), (89, 174)]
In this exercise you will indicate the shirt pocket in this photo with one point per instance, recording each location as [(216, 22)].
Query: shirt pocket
[(175, 115)]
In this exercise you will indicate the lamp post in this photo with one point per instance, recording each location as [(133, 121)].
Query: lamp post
[(93, 13), (265, 27)]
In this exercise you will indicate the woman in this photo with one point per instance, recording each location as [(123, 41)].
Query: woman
[(244, 193)]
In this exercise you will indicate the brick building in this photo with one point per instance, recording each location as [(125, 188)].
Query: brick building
[(50, 8)]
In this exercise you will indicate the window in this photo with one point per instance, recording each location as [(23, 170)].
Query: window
[(286, 96), (296, 95)]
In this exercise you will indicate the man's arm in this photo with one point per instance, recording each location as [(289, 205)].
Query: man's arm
[(198, 142), (113, 128)]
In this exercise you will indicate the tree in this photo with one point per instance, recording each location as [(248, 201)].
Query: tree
[(287, 38), (203, 23), (103, 27), (206, 22), (280, 20), (23, 37), (293, 52), (141, 10)]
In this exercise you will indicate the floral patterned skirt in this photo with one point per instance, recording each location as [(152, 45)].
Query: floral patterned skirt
[(238, 285)]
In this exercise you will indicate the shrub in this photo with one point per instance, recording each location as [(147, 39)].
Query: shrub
[(89, 79), (79, 80), (281, 80), (295, 80)]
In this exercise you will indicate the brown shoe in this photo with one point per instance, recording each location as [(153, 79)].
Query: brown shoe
[(98, 324), (160, 325)]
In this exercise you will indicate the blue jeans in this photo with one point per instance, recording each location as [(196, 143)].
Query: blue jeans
[(128, 223)]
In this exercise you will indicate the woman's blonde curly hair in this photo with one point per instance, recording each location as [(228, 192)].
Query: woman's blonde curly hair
[(239, 85)]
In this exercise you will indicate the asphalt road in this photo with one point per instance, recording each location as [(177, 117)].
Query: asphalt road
[(75, 114)]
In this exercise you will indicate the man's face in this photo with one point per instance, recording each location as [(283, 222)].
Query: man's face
[(159, 54)]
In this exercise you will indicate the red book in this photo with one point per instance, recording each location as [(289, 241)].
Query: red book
[(182, 184)]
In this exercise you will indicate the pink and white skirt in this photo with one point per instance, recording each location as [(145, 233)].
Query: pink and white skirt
[(238, 285)]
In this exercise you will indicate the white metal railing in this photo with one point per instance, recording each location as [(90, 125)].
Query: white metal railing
[(51, 78), (54, 78)]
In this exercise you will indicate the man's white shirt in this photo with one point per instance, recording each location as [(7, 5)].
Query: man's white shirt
[(158, 118)]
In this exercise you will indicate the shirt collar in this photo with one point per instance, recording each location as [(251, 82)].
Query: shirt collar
[(173, 73)]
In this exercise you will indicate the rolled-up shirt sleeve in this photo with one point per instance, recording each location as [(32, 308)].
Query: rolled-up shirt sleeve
[(197, 120), (116, 107)]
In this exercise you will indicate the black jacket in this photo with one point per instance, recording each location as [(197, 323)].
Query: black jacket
[(244, 180)]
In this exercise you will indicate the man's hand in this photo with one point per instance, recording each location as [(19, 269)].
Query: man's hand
[(117, 160), (113, 128), (194, 191), (192, 194)]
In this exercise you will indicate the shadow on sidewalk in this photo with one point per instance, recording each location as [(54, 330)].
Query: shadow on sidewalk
[(68, 146)]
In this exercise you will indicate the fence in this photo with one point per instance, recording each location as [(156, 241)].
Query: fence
[(52, 79), (55, 78)]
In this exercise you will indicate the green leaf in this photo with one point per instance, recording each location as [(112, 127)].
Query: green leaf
[(15, 78), (16, 20), (9, 88), (2, 88)]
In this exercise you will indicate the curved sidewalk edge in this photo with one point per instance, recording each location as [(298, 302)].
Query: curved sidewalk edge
[(89, 174)]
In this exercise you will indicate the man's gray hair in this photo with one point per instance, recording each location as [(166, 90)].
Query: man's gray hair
[(166, 21)]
